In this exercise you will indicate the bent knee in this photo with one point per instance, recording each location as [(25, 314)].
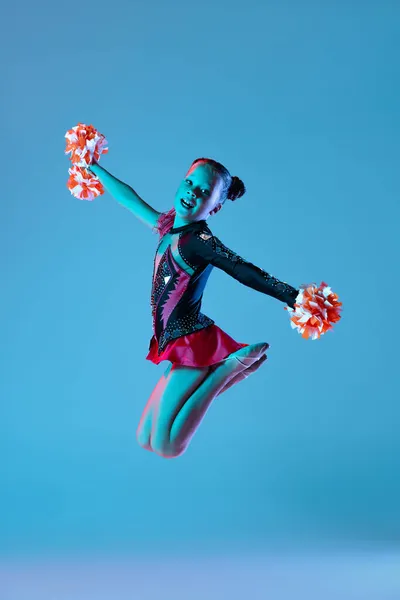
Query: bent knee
[(168, 450), (162, 449), (170, 454), (143, 440)]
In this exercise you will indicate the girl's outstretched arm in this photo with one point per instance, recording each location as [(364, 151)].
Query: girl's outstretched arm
[(213, 251), (126, 196)]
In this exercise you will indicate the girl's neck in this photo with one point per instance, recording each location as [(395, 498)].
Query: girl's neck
[(181, 225), (179, 222)]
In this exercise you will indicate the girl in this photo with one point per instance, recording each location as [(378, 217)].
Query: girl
[(204, 360)]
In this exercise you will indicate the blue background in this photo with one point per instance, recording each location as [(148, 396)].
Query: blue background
[(300, 100)]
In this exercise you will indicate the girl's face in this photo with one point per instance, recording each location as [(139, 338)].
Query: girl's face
[(198, 194)]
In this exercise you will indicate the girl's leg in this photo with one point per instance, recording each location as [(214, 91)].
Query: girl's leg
[(189, 380), (187, 396), (143, 433), (180, 384)]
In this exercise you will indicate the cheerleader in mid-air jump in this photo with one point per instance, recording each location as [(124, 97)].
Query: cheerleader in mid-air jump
[(204, 360)]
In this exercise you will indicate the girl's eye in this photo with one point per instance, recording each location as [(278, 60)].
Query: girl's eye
[(189, 182)]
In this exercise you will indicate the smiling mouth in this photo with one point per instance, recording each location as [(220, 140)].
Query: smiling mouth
[(186, 204)]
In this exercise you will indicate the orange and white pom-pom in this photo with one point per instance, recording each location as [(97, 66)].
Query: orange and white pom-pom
[(83, 185), (85, 144), (315, 311)]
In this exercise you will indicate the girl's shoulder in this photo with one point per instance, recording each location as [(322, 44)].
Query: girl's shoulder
[(211, 248), (192, 243), (200, 235), (203, 232), (201, 246)]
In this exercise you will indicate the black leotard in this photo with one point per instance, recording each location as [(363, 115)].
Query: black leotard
[(176, 295)]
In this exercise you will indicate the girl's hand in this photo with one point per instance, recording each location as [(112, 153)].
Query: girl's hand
[(90, 167)]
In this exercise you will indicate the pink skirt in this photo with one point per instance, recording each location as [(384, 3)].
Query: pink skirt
[(199, 349)]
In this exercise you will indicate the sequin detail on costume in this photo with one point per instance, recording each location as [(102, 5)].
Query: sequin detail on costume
[(183, 326), (175, 282), (244, 271), (169, 286), (220, 248)]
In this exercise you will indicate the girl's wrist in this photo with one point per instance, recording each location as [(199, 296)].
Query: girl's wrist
[(95, 169)]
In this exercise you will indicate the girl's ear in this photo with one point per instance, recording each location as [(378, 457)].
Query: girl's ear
[(216, 209)]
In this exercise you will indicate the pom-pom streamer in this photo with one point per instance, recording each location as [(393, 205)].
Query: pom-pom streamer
[(84, 185), (85, 144), (315, 311)]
